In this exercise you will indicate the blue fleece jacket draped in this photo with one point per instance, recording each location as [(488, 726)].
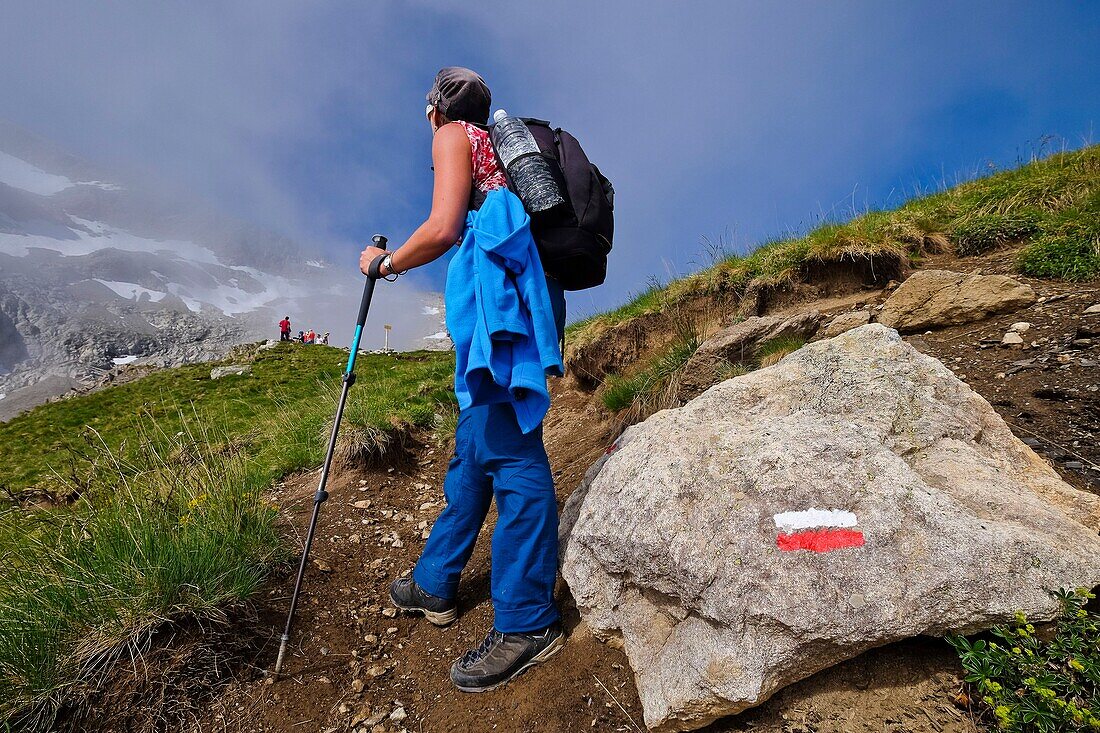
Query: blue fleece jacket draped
[(499, 313)]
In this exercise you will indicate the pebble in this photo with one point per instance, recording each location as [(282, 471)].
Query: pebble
[(376, 671), (364, 504), (357, 686), (370, 639), (1019, 326), (1092, 310), (1011, 338), (389, 612), (391, 630), (398, 715)]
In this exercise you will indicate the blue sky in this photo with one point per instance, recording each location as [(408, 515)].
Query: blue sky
[(713, 119)]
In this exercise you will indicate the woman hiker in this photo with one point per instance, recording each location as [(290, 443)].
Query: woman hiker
[(506, 319)]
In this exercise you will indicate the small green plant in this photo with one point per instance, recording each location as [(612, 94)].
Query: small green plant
[(982, 233), (1024, 684), (1069, 248)]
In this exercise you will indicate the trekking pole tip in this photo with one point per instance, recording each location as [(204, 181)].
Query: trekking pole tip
[(379, 241), (282, 651)]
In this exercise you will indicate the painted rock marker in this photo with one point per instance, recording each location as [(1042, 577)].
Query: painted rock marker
[(817, 530)]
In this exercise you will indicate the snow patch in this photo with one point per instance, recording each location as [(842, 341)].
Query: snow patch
[(439, 335), (132, 291), (128, 359), (430, 310), (18, 173), (101, 184)]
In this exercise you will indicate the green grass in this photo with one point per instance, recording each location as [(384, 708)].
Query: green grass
[(44, 447), (181, 532), (1051, 202), (656, 385), (168, 520), (1019, 682), (1068, 248), (775, 349)]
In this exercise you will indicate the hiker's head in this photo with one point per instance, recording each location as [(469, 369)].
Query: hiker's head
[(458, 94)]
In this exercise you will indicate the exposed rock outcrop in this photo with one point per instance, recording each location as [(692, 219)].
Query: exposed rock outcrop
[(938, 298), (230, 370), (739, 343), (846, 322), (854, 494)]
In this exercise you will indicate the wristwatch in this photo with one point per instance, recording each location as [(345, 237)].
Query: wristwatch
[(387, 262)]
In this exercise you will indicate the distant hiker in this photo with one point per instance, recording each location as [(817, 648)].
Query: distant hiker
[(284, 329), (301, 337), (506, 319), (324, 338), (311, 337)]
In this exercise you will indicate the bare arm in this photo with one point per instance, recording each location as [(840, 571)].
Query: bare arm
[(450, 198)]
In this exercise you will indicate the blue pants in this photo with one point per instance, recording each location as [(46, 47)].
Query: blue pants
[(493, 458)]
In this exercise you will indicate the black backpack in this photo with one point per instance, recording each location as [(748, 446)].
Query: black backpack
[(573, 238)]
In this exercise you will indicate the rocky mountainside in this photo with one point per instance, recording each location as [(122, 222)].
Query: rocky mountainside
[(96, 273)]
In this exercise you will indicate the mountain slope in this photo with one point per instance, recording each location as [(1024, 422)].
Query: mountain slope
[(96, 273)]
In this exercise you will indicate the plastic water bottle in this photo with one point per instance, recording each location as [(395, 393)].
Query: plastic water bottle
[(529, 171)]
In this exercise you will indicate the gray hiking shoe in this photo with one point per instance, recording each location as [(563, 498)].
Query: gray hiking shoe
[(408, 596), (501, 657)]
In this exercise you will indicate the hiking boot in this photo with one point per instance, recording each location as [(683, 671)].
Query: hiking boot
[(408, 596), (504, 656)]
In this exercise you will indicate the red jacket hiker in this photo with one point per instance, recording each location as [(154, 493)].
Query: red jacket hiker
[(284, 329)]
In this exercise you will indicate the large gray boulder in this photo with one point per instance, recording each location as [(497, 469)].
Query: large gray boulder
[(854, 494), (938, 298)]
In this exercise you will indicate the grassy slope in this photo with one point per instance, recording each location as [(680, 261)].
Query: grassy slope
[(41, 446), (1054, 204), (170, 519)]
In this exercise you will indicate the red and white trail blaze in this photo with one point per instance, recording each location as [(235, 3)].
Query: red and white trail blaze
[(817, 530)]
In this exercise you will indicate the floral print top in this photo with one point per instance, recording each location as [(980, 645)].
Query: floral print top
[(487, 173)]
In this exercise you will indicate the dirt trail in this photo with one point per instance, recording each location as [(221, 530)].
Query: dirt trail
[(355, 667)]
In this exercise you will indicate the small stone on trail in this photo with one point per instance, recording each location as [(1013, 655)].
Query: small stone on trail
[(364, 504), (354, 539), (357, 686), (362, 481), (1012, 338), (391, 630), (398, 715), (389, 612), (376, 671), (370, 639), (1092, 310), (321, 565), (362, 715), (1019, 326), (324, 680)]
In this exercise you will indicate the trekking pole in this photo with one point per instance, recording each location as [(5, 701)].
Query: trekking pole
[(321, 495)]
